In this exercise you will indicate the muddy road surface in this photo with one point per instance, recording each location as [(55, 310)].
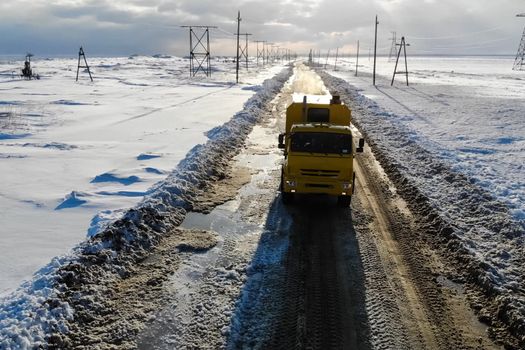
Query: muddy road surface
[(312, 275), (309, 275)]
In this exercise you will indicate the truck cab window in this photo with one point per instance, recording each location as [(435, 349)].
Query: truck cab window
[(318, 115), (314, 142)]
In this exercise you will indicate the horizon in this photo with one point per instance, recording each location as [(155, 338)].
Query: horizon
[(125, 27)]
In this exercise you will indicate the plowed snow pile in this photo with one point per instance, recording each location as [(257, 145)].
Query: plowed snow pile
[(472, 217), (38, 312)]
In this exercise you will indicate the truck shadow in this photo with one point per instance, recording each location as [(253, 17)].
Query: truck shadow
[(306, 282)]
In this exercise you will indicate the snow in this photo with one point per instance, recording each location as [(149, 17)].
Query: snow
[(109, 172), (453, 142), (71, 150), (466, 110)]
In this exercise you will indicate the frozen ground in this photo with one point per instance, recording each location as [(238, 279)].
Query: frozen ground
[(453, 143), (74, 154), (466, 110)]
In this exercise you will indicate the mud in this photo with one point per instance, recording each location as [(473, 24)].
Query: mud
[(111, 314)]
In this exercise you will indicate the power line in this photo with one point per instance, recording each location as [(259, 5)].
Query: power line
[(458, 36)]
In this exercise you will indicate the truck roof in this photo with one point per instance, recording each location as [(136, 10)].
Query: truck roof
[(324, 127), (312, 99)]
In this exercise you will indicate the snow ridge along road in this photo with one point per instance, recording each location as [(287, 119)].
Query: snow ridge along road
[(468, 224), (59, 294)]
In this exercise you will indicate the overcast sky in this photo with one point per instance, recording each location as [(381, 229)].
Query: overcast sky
[(124, 27)]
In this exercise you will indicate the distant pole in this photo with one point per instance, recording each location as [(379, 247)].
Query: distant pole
[(327, 56), (336, 54), (82, 54), (375, 52), (357, 58), (520, 56), (238, 33), (246, 48)]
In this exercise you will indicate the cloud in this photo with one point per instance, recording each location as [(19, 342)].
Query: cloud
[(152, 26)]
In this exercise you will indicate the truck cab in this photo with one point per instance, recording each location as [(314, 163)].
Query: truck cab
[(318, 151)]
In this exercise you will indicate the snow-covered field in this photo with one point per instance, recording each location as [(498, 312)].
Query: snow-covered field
[(466, 110), (454, 142), (75, 154)]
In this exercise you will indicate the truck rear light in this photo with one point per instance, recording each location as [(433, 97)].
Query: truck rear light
[(346, 185), (290, 183)]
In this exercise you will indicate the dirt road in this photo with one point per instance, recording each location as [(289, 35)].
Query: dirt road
[(261, 275), (315, 276)]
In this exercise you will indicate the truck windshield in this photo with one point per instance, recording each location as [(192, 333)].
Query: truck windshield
[(317, 142)]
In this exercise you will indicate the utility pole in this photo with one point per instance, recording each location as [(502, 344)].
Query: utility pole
[(81, 54), (519, 62), (392, 47), (327, 56), (403, 46), (199, 52), (260, 53), (357, 58), (336, 54), (244, 50), (238, 33), (268, 53), (375, 52)]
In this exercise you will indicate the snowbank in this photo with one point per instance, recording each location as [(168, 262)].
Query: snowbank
[(40, 310), (475, 227)]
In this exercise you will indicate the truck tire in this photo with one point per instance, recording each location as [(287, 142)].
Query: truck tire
[(344, 201), (287, 198)]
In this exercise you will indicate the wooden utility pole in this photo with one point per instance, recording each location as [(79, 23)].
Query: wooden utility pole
[(81, 54), (327, 56), (375, 52), (403, 46), (237, 57), (336, 54), (357, 58)]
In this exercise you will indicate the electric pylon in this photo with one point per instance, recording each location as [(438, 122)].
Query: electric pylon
[(199, 50), (519, 62), (392, 47), (260, 53)]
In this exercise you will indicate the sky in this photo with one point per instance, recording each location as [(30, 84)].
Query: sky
[(125, 27)]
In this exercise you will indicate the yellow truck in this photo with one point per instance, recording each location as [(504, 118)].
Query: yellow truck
[(318, 150)]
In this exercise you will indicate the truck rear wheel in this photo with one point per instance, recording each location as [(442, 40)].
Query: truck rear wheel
[(344, 201), (287, 197)]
